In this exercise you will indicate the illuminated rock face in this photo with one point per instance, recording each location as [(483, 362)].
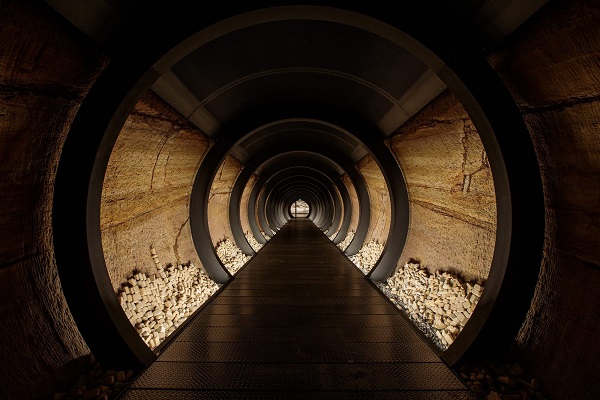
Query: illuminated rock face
[(147, 189)]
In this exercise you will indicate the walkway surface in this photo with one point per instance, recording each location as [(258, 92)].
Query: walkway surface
[(299, 321)]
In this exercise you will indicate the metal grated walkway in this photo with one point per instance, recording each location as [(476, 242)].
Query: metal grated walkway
[(299, 321)]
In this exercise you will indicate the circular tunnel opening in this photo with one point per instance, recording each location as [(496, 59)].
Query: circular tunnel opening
[(101, 166)]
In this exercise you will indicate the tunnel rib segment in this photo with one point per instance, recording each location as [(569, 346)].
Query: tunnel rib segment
[(298, 321)]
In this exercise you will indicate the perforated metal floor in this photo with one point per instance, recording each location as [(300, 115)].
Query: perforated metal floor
[(299, 321)]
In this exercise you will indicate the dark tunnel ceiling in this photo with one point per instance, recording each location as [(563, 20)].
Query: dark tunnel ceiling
[(326, 64), (335, 67)]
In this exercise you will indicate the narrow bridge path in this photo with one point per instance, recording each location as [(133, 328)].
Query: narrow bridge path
[(299, 321)]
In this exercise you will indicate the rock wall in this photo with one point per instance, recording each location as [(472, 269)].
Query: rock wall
[(379, 198), (451, 191), (244, 204), (355, 207), (552, 68), (45, 72), (147, 188), (218, 200)]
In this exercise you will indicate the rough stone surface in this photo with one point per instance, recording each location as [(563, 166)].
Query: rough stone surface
[(218, 200), (157, 304), (244, 204), (552, 69), (353, 203), (379, 198), (147, 188), (452, 200), (45, 72), (231, 256)]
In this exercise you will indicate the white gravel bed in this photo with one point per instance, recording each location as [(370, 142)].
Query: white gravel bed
[(440, 304), (231, 256), (253, 242), (157, 304), (344, 243)]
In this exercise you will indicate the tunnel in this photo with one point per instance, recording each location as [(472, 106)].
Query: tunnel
[(163, 158)]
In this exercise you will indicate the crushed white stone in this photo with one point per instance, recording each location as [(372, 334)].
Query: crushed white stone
[(157, 304), (231, 256), (440, 304), (253, 242), (344, 243), (367, 256), (267, 238)]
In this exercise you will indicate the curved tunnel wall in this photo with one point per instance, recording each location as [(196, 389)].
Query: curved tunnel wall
[(451, 191), (199, 204), (146, 191), (558, 97), (219, 224)]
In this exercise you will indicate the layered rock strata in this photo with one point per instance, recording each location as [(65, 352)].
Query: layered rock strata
[(440, 304)]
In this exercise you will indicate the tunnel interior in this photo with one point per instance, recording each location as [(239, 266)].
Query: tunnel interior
[(275, 93), (207, 133)]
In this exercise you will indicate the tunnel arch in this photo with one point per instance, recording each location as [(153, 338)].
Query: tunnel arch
[(88, 146), (288, 160), (295, 185)]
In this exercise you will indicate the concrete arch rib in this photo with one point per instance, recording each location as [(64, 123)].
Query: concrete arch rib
[(343, 209), (301, 186)]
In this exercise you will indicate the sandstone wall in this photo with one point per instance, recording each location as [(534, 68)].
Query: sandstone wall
[(45, 72), (379, 198), (452, 223), (355, 208), (244, 204), (218, 201), (552, 68), (147, 188)]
